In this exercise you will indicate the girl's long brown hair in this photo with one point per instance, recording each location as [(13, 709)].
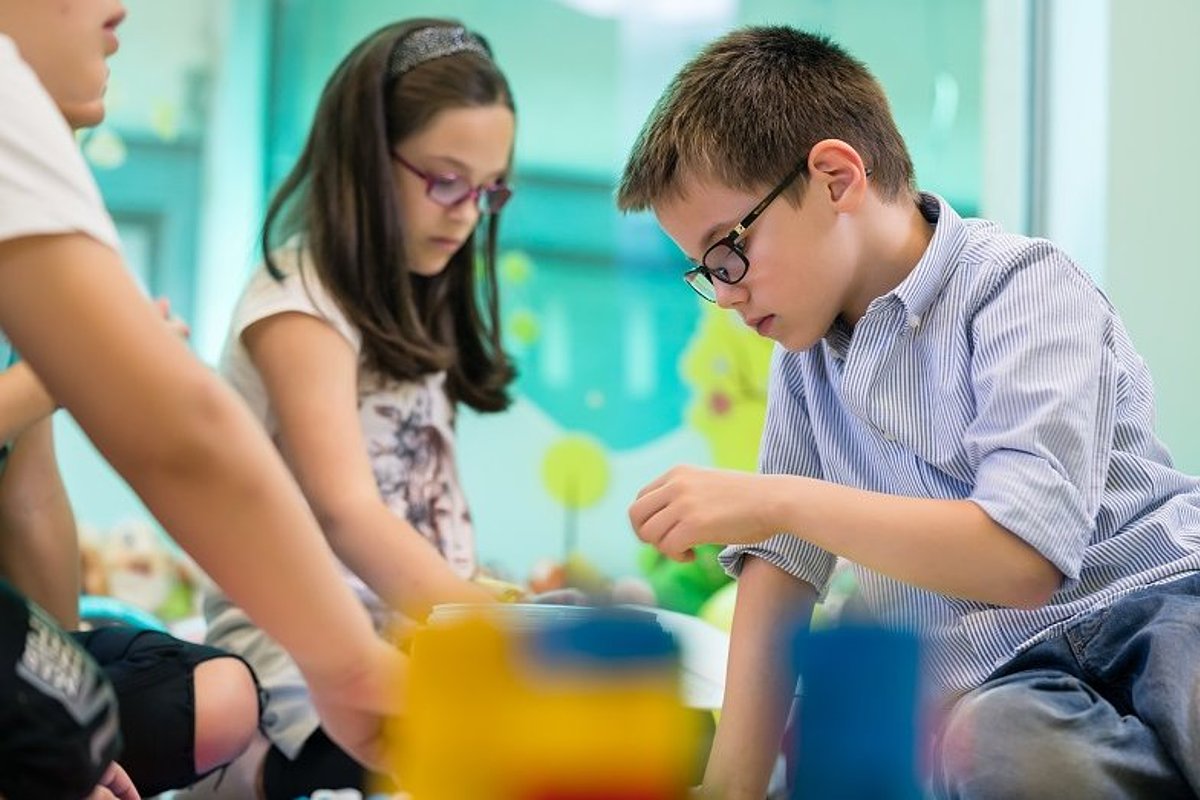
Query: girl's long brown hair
[(340, 198)]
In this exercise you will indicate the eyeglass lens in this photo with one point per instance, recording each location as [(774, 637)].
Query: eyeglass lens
[(451, 191)]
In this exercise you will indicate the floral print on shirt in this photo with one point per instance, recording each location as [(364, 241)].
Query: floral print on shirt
[(409, 432)]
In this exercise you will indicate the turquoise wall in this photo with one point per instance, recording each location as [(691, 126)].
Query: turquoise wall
[(622, 371), (595, 311), (210, 100)]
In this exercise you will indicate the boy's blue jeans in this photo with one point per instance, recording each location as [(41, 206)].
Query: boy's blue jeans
[(1109, 709)]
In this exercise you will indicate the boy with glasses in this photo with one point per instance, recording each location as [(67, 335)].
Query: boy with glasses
[(957, 410)]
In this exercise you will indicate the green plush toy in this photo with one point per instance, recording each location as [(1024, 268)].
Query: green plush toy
[(686, 586)]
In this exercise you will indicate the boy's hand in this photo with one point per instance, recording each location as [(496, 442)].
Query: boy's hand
[(353, 707), (688, 506)]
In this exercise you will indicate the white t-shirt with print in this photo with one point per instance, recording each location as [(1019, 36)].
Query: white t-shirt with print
[(408, 426)]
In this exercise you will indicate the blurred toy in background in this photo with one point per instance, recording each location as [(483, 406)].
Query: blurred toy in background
[(576, 474), (632, 590), (860, 690), (505, 591), (547, 576), (686, 586), (718, 609), (726, 366), (575, 580), (586, 707), (133, 563)]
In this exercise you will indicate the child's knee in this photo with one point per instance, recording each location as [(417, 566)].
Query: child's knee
[(1010, 741), (227, 711)]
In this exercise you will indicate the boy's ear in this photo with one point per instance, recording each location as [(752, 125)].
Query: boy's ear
[(838, 167)]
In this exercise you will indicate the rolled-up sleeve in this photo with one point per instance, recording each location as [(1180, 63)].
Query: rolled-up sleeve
[(787, 448), (1040, 443)]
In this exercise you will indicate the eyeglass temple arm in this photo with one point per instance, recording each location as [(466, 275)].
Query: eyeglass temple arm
[(766, 201)]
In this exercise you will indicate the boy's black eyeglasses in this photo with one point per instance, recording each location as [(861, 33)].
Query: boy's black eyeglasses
[(449, 190), (726, 260)]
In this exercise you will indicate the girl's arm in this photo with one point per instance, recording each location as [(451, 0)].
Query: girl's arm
[(311, 375), (200, 462)]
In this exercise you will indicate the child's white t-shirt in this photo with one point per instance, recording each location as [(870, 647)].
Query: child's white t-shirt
[(45, 187), (408, 429), (408, 426)]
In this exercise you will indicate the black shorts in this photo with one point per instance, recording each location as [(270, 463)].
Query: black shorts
[(58, 712), (153, 676), (320, 764)]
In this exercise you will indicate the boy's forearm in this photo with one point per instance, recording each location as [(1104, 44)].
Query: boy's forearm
[(947, 546), (39, 550), (760, 682)]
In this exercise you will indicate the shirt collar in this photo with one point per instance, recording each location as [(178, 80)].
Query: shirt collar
[(921, 287), (924, 283)]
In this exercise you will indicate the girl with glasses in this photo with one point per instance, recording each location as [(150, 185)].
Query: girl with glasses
[(372, 317)]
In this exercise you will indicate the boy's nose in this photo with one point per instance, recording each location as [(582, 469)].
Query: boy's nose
[(729, 295)]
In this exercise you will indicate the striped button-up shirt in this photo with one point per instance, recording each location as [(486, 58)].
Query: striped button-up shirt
[(997, 372)]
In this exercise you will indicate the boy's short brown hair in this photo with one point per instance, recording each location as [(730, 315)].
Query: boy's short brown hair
[(751, 105)]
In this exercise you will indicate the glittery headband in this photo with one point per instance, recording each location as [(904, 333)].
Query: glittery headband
[(426, 44)]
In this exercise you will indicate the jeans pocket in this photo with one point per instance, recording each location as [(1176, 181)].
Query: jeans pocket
[(1080, 633)]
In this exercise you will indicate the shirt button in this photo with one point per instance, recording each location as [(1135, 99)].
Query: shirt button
[(914, 322)]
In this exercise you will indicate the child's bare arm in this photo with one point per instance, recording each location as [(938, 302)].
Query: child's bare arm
[(23, 400), (39, 548), (198, 459), (947, 546), (760, 682), (311, 376), (23, 397)]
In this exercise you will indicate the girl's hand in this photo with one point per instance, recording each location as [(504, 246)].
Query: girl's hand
[(689, 506), (502, 591)]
